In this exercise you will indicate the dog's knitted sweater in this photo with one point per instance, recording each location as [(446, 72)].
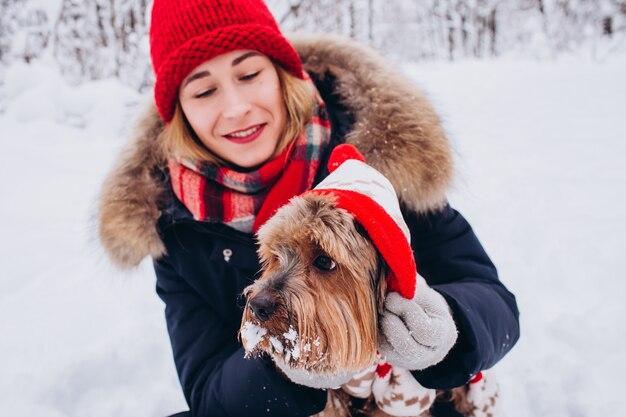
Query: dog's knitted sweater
[(397, 393)]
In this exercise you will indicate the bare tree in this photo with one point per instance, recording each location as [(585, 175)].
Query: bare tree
[(92, 39), (101, 38)]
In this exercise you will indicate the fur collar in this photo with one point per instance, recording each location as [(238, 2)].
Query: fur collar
[(395, 128)]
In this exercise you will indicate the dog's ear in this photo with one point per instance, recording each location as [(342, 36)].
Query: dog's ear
[(379, 276), (361, 230), (380, 283)]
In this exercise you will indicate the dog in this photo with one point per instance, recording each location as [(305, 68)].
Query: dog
[(316, 305)]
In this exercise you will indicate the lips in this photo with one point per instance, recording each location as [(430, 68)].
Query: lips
[(246, 135)]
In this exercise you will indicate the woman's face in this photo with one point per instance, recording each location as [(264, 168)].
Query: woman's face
[(234, 104)]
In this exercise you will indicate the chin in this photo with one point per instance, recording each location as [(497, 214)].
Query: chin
[(256, 160), (248, 165)]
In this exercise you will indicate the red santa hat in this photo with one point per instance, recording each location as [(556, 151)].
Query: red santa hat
[(370, 197)]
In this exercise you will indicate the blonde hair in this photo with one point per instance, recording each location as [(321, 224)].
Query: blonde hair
[(178, 140)]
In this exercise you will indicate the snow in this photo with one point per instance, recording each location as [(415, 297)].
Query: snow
[(276, 344), (252, 334), (291, 338), (291, 334), (540, 150), (541, 155)]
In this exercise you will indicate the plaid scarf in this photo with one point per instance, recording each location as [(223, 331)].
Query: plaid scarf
[(246, 200)]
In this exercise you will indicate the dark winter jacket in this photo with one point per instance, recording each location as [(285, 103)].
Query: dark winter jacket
[(393, 125)]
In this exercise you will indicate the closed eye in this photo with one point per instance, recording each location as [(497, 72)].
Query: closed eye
[(250, 76), (205, 93)]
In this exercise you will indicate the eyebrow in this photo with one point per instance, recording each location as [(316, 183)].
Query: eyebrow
[(195, 76), (247, 55), (235, 62)]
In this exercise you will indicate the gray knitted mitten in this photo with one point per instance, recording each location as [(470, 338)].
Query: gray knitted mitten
[(417, 333)]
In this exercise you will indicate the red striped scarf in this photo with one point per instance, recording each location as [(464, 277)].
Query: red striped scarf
[(246, 200)]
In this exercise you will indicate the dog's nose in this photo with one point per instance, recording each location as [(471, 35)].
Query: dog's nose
[(262, 306)]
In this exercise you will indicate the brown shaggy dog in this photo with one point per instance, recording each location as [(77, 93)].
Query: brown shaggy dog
[(317, 302)]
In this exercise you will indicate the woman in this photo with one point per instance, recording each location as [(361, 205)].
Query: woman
[(240, 129)]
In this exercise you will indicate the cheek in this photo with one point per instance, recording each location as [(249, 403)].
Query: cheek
[(281, 110), (200, 118), (272, 99)]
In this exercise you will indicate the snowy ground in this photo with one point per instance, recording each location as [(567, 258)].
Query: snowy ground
[(541, 151)]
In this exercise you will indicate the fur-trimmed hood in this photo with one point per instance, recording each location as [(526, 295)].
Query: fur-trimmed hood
[(395, 128)]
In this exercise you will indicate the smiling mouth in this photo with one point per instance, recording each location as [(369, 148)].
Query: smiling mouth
[(247, 132), (246, 135)]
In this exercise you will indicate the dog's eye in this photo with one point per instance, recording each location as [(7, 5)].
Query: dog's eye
[(324, 263)]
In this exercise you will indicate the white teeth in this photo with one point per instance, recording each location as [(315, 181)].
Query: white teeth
[(245, 132)]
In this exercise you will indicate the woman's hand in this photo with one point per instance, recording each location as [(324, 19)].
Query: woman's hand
[(417, 333)]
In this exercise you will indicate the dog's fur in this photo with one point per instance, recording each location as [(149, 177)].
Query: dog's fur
[(335, 313)]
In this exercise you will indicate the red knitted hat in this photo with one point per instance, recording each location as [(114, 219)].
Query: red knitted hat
[(186, 33), (371, 199)]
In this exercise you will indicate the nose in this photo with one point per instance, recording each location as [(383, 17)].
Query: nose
[(263, 306), (236, 104)]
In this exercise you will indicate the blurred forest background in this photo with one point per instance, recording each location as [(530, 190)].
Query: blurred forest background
[(96, 39)]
